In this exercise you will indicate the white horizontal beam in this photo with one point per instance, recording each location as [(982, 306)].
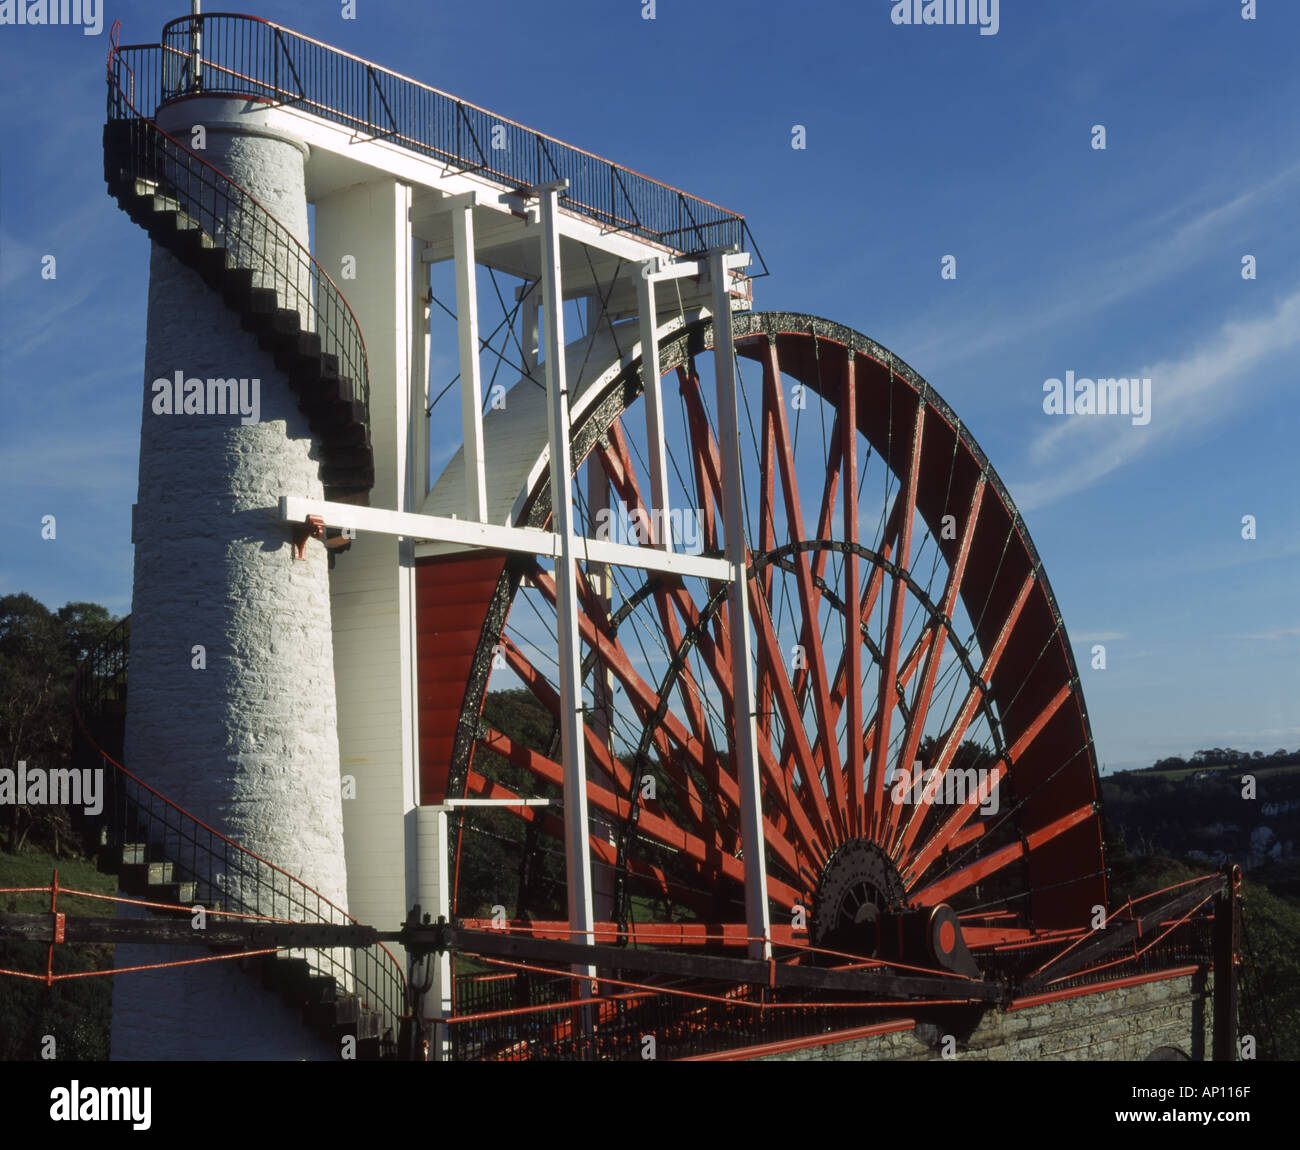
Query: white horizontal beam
[(449, 803), (652, 559), (452, 202), (528, 540), (659, 268)]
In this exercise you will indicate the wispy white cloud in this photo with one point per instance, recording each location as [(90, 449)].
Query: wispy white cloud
[(1268, 636), (1098, 636), (61, 463), (1077, 451), (17, 260), (1164, 248)]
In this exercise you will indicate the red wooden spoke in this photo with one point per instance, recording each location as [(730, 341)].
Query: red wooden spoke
[(629, 490), (952, 740), (705, 446), (970, 834), (789, 708), (960, 880), (824, 532), (709, 761), (785, 790), (623, 475), (782, 781), (921, 700), (763, 699), (478, 786), (954, 833), (851, 660), (707, 482), (869, 594), (767, 497), (835, 451), (708, 471), (825, 524), (905, 672), (643, 697), (809, 598), (888, 692), (549, 697), (649, 824), (954, 830)]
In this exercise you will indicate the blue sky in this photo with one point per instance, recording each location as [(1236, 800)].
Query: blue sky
[(921, 142)]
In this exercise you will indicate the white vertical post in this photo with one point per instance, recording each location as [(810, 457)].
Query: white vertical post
[(654, 411), (602, 684), (530, 296), (471, 387), (576, 822), (733, 516), (196, 47), (421, 297), (435, 900)]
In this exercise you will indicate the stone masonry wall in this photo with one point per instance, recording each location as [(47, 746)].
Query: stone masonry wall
[(1126, 1023)]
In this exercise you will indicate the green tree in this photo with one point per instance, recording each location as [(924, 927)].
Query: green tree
[(39, 653)]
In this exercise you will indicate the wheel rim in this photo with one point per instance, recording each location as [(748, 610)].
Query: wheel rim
[(960, 648)]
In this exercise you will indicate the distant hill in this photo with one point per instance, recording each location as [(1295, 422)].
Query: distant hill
[(1221, 805), (1179, 818)]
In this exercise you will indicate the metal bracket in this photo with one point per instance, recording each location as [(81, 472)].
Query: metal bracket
[(313, 527)]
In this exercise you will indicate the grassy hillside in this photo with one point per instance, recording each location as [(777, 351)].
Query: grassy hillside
[(76, 1013)]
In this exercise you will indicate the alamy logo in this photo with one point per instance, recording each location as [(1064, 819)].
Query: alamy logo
[(77, 1103), (957, 787), (57, 788), (1109, 396), (88, 13), (981, 12), (181, 396), (642, 528)]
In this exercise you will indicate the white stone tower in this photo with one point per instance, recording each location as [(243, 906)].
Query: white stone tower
[(231, 710)]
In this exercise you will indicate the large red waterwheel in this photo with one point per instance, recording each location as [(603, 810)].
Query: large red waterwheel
[(922, 734)]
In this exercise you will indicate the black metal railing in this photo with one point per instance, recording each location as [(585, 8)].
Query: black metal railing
[(531, 1017), (224, 874), (136, 149), (226, 53)]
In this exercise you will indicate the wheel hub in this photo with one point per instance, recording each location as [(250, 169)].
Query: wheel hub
[(858, 884)]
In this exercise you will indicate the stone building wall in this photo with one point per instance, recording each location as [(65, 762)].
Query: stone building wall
[(1123, 1023)]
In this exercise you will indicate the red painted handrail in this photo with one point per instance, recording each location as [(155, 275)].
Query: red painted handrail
[(115, 636)]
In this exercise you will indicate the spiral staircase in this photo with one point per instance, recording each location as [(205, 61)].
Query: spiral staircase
[(164, 856), (161, 854)]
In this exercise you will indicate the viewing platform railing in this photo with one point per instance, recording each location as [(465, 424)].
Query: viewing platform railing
[(228, 54)]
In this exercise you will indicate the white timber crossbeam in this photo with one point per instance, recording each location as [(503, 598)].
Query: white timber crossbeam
[(497, 537)]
